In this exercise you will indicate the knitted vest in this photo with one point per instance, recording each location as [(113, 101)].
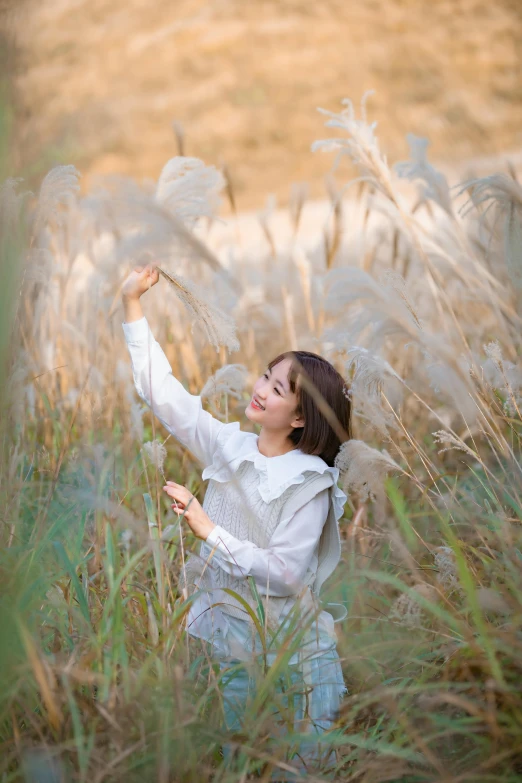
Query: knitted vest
[(237, 506)]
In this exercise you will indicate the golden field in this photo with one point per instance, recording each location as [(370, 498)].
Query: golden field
[(409, 283)]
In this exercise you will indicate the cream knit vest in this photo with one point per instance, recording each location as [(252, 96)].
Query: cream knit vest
[(237, 506)]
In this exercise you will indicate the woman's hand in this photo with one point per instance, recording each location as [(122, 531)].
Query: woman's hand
[(184, 501), (139, 281)]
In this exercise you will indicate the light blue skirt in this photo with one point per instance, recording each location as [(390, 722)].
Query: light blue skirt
[(309, 690)]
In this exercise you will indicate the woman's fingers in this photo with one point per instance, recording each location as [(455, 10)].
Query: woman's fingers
[(173, 493), (174, 489), (173, 485), (152, 273), (182, 498), (177, 492)]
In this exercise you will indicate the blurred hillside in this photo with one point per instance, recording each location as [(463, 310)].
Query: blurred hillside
[(101, 82)]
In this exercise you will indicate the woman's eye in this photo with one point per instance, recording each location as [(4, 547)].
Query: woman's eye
[(265, 375), (277, 391)]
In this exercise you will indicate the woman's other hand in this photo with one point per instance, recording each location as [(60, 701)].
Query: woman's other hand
[(139, 281), (185, 503)]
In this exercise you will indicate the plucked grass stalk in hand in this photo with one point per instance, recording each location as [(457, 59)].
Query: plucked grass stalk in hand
[(219, 328), (183, 560), (156, 546), (156, 454)]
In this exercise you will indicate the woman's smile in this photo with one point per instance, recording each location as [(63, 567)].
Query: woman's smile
[(254, 402)]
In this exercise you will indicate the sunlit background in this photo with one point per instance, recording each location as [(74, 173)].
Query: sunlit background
[(101, 82)]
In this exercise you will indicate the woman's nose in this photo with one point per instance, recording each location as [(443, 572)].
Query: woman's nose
[(260, 390)]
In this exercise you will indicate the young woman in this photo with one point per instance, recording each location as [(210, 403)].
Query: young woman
[(269, 521)]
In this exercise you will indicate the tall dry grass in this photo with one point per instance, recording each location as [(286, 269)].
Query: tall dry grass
[(99, 678)]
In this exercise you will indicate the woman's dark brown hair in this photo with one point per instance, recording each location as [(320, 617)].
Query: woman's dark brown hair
[(321, 400)]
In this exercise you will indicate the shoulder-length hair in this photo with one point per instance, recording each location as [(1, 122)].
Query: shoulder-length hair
[(322, 401)]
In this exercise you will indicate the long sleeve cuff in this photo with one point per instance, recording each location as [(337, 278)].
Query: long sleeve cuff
[(213, 537), (136, 331)]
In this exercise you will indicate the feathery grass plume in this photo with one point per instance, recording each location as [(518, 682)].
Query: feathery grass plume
[(406, 611), (218, 326), (362, 146), (230, 380), (447, 572), (126, 538), (396, 282), (156, 454), (435, 185), (452, 441), (450, 378), (363, 469), (503, 376), (504, 195), (368, 308), (370, 373), (189, 189), (146, 230), (56, 191)]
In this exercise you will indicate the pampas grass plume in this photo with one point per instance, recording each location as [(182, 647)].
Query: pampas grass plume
[(58, 188), (362, 146), (504, 195), (435, 185), (156, 454), (363, 469), (189, 189), (218, 326), (229, 379)]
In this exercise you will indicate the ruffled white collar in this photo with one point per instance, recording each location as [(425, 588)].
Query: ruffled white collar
[(276, 474)]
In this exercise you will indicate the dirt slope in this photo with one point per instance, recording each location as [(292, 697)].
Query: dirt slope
[(104, 79)]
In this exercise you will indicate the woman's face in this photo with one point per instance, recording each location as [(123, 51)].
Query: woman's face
[(273, 404)]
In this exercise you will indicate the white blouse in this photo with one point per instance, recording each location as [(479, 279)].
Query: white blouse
[(291, 555)]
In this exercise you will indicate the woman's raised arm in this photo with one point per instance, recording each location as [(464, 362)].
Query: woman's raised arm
[(180, 412)]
